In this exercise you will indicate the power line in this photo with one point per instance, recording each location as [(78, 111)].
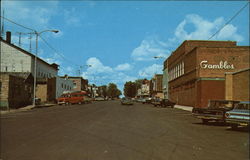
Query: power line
[(18, 24), (52, 48), (41, 38), (229, 20)]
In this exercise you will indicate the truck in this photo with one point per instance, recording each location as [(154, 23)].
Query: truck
[(215, 111)]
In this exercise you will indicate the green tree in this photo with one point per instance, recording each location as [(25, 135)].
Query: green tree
[(130, 89), (113, 91)]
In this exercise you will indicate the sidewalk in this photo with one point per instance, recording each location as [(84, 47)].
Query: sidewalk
[(30, 107), (186, 108)]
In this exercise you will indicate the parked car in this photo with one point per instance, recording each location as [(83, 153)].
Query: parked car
[(163, 103), (156, 102), (239, 116), (77, 97), (215, 111), (148, 100), (141, 100), (62, 99), (126, 101)]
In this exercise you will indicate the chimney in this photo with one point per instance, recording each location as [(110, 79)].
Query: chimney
[(8, 36)]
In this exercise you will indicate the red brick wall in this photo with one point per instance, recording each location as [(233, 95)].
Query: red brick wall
[(238, 56), (209, 89)]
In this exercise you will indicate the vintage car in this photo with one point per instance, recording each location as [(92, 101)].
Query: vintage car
[(126, 101), (99, 99), (163, 103), (215, 111), (77, 97), (239, 116)]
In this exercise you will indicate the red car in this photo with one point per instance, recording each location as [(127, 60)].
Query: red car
[(73, 98)]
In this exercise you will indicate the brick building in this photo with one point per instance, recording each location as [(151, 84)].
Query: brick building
[(196, 70), (237, 85)]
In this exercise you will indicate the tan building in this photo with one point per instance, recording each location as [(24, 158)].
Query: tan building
[(237, 85), (196, 70), (79, 84), (16, 90), (157, 86)]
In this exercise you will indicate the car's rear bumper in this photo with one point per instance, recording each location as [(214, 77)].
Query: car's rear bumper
[(242, 122), (209, 116), (59, 103)]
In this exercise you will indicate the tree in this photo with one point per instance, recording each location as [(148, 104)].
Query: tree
[(130, 89), (104, 90), (113, 91)]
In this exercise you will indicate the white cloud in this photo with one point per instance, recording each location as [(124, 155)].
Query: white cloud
[(149, 48), (71, 18), (97, 66), (32, 14), (123, 67), (204, 29), (148, 72), (100, 74)]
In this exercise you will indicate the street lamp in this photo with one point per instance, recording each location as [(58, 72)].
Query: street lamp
[(35, 63)]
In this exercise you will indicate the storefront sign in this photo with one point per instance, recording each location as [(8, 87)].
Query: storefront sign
[(221, 65)]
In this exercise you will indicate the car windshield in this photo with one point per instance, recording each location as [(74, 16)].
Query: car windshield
[(221, 104), (243, 106)]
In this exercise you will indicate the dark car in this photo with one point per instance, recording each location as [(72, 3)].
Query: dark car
[(163, 103), (215, 111), (127, 101), (239, 116)]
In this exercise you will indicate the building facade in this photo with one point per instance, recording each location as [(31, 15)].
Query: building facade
[(157, 86), (79, 84), (144, 90), (237, 85), (165, 80), (16, 59), (196, 70), (16, 90)]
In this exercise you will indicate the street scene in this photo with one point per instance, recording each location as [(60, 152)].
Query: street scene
[(129, 80), (107, 130)]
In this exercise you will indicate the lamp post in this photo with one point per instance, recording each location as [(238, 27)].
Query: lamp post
[(35, 62)]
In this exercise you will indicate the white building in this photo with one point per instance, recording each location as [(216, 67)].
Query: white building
[(15, 59), (63, 84)]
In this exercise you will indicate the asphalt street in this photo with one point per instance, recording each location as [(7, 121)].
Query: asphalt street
[(108, 130)]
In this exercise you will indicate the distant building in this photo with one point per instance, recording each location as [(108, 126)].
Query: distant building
[(157, 86), (165, 80), (196, 70), (16, 90), (144, 91), (48, 90), (79, 84)]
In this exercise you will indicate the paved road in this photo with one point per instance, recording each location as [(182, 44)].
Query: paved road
[(110, 131)]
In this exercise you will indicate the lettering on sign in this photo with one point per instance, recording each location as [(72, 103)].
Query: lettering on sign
[(222, 65)]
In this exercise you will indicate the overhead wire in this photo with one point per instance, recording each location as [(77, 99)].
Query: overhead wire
[(236, 14), (20, 25), (50, 46)]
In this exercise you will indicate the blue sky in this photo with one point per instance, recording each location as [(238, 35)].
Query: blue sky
[(119, 39)]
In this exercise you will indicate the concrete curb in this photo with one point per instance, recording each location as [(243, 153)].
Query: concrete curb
[(186, 108), (30, 107)]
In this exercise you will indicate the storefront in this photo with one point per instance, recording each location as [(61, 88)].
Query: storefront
[(196, 70)]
